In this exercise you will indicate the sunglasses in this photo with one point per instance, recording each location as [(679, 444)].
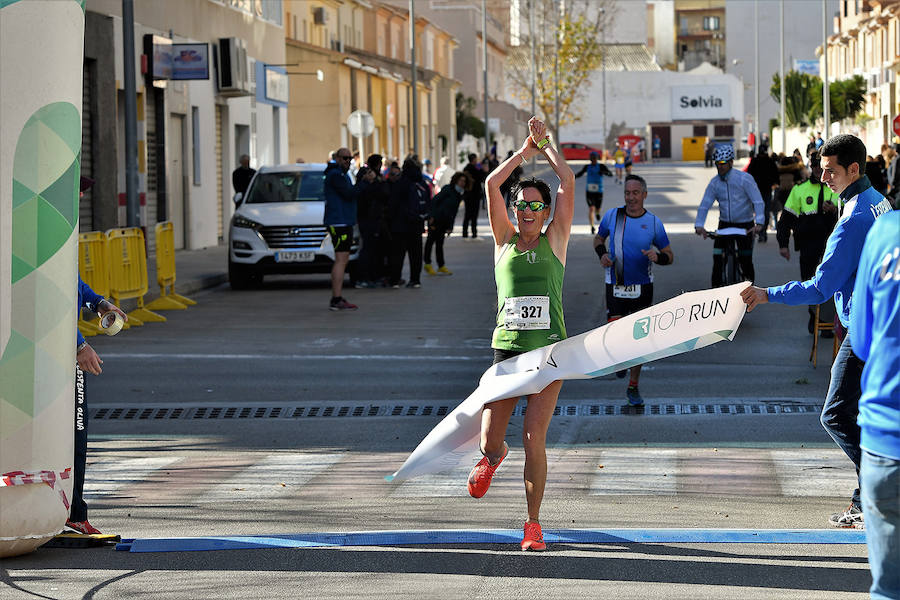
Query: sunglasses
[(534, 205), (721, 162)]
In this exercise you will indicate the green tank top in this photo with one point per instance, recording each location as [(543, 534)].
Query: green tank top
[(529, 297)]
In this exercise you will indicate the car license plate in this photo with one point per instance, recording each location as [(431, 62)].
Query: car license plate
[(294, 256)]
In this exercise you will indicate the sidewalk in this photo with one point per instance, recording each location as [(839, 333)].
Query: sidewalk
[(195, 270)]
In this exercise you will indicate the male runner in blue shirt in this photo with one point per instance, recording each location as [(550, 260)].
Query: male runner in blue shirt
[(637, 239), (595, 171)]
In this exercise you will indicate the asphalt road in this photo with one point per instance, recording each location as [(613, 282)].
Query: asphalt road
[(261, 412)]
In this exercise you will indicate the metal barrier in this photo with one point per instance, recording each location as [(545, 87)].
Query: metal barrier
[(165, 271), (128, 272), (93, 266)]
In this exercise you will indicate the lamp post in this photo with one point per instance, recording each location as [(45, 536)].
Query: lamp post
[(415, 93), (603, 70)]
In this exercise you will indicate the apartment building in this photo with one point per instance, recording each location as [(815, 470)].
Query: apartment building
[(197, 113), (866, 41), (362, 49)]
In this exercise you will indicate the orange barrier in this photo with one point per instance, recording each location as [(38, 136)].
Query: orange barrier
[(93, 266), (128, 272), (165, 271)]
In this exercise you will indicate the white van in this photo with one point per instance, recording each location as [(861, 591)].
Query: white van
[(278, 226)]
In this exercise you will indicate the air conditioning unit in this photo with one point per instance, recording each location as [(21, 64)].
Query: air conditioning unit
[(320, 15), (232, 75)]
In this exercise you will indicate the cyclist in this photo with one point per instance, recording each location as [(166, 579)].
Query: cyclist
[(740, 205), (595, 170)]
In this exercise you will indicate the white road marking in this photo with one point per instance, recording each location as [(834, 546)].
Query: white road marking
[(280, 474), (636, 471), (819, 472), (107, 475)]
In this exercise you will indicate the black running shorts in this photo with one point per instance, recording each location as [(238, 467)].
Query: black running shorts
[(341, 237), (620, 307)]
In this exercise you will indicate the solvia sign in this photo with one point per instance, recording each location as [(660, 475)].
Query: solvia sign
[(701, 102)]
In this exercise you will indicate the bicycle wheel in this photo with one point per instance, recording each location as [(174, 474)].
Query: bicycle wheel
[(732, 269)]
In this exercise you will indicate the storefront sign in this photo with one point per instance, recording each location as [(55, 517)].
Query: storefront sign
[(700, 102), (190, 61), (276, 85)]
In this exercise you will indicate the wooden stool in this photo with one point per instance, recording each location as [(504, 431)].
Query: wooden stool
[(819, 326)]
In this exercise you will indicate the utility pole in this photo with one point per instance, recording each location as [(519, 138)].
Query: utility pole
[(532, 34), (559, 14), (603, 71), (132, 208), (484, 72), (826, 95), (783, 85), (758, 128), (415, 91)]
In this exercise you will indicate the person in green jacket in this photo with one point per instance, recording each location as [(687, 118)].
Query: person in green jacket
[(810, 212), (529, 264), (444, 207)]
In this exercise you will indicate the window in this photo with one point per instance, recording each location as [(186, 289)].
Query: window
[(723, 131), (699, 130), (287, 187), (710, 23), (195, 142), (683, 25)]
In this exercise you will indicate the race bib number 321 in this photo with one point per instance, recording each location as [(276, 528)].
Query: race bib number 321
[(526, 312)]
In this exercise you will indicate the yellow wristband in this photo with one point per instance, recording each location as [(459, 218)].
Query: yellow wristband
[(543, 143)]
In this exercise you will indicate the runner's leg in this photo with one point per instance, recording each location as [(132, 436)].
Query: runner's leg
[(534, 439), (494, 420)]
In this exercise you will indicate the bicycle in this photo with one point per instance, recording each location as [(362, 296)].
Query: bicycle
[(731, 266)]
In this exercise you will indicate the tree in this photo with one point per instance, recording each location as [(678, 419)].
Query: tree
[(579, 31), (800, 92), (803, 97), (466, 121)]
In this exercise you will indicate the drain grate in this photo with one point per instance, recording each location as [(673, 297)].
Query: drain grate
[(132, 413)]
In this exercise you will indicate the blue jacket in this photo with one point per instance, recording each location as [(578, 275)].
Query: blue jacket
[(837, 272), (87, 298), (875, 337), (738, 197), (340, 197)]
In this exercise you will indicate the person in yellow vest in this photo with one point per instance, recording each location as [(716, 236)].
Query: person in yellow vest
[(619, 156), (529, 264), (810, 212)]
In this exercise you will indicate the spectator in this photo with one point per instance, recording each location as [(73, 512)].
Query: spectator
[(444, 207), (340, 217), (765, 174), (370, 213), (875, 173), (443, 173), (409, 205), (240, 177), (473, 196)]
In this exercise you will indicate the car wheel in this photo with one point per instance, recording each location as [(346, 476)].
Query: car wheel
[(242, 277)]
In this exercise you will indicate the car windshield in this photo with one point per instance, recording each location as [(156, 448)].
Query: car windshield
[(302, 186)]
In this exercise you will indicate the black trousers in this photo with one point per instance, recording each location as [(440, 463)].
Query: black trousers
[(407, 243), (473, 205), (809, 261), (368, 256), (435, 238), (78, 510), (744, 251)]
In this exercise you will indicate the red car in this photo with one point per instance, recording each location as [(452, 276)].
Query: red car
[(578, 151)]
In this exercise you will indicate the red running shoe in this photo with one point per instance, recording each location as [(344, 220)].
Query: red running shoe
[(83, 527), (533, 539), (481, 475)]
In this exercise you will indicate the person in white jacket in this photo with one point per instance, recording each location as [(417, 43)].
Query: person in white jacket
[(443, 174)]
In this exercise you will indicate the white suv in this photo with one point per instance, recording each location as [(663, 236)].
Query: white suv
[(278, 226)]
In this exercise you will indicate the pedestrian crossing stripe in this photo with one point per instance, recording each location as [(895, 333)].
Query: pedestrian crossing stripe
[(634, 471)]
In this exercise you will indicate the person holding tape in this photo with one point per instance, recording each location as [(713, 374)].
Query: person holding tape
[(529, 265), (637, 240), (86, 360)]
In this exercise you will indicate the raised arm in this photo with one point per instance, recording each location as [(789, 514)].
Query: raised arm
[(561, 226), (501, 226)]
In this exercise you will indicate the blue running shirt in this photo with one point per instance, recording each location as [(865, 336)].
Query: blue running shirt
[(641, 233)]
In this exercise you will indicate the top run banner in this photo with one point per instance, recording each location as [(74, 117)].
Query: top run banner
[(690, 321)]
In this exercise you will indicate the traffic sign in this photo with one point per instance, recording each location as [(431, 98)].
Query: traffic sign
[(360, 123), (897, 125)]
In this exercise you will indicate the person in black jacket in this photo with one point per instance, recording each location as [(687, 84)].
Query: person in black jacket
[(473, 196), (240, 177), (444, 207), (370, 211), (410, 203), (765, 173)]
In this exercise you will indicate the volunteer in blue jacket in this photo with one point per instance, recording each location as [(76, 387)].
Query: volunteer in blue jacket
[(843, 168), (340, 217), (86, 360), (593, 194), (637, 239), (875, 333)]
